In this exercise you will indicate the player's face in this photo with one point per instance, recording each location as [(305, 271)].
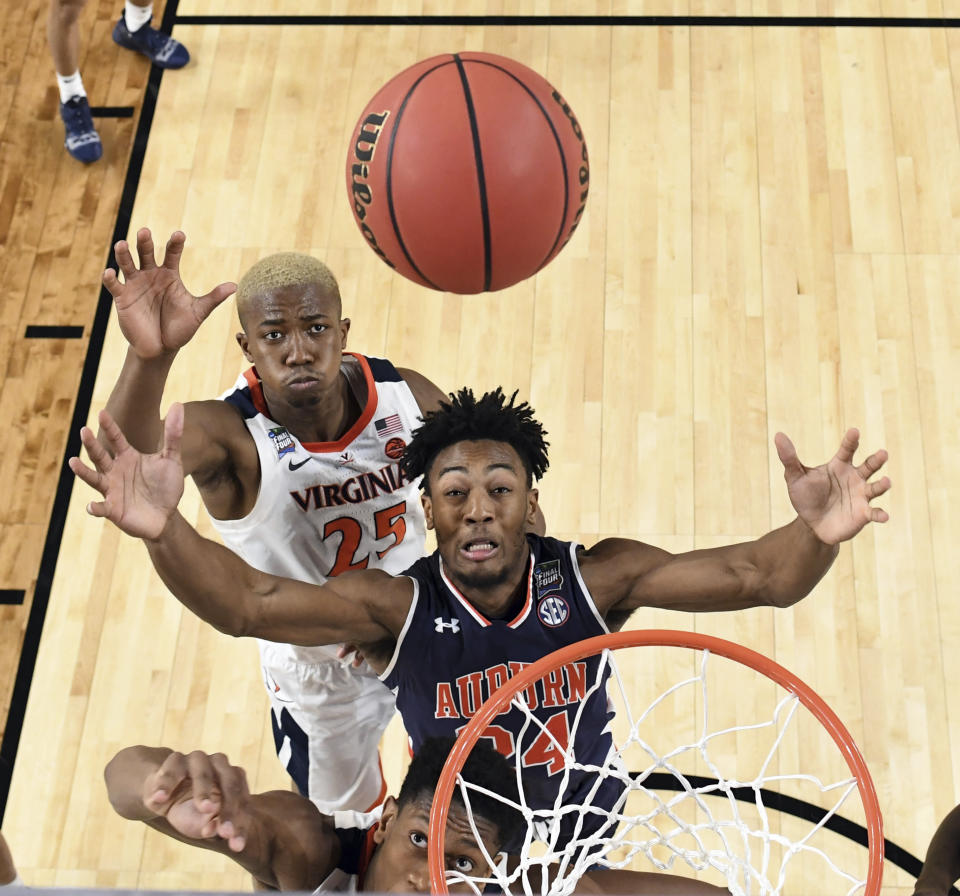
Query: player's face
[(480, 507), (295, 338), (400, 863)]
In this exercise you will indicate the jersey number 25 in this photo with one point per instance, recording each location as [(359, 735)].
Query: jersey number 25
[(388, 523)]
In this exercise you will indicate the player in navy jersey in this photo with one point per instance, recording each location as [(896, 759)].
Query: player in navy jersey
[(298, 468), (490, 596), (450, 657), (287, 844)]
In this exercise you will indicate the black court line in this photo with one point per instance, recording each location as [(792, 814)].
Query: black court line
[(39, 331), (602, 21), (111, 111), (789, 805), (11, 597), (61, 501)]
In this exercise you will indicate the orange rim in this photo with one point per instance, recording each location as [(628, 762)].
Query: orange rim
[(654, 638)]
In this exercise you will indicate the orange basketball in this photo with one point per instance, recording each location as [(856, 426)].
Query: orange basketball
[(467, 172)]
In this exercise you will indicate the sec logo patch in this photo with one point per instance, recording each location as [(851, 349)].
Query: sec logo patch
[(553, 611), (394, 449)]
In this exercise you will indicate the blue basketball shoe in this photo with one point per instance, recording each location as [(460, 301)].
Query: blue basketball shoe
[(82, 141), (161, 49)]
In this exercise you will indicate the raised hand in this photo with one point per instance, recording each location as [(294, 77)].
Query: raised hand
[(156, 313), (202, 796), (140, 491), (834, 498)]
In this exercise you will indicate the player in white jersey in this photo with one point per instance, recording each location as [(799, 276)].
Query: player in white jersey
[(324, 508), (298, 469)]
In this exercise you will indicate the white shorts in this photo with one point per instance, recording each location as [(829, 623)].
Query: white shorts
[(327, 721)]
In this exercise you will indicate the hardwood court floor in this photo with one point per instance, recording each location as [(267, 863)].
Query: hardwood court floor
[(771, 243)]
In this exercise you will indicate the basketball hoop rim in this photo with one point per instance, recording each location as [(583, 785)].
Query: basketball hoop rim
[(493, 706)]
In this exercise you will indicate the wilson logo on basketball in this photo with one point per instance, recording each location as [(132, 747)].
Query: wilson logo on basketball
[(583, 174), (394, 449), (363, 149), (475, 181)]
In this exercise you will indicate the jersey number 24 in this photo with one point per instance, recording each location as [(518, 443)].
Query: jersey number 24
[(549, 747)]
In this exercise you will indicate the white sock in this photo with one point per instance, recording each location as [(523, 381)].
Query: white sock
[(16, 882), (136, 16), (70, 86)]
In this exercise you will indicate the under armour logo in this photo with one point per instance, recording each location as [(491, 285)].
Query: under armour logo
[(453, 625)]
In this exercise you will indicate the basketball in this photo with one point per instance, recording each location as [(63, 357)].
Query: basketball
[(467, 172)]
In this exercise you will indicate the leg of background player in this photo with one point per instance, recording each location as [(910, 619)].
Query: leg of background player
[(942, 864), (63, 34), (132, 31), (8, 873)]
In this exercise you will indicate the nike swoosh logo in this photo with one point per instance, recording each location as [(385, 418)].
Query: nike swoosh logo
[(294, 466)]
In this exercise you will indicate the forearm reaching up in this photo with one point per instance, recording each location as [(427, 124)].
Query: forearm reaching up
[(222, 589), (157, 316), (833, 504), (776, 570), (140, 496), (203, 800)]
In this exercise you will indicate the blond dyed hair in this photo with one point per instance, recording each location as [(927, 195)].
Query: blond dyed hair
[(284, 269)]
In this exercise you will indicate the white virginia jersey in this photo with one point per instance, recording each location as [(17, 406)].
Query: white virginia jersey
[(328, 507)]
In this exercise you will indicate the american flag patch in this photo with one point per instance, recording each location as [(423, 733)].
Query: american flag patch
[(387, 426)]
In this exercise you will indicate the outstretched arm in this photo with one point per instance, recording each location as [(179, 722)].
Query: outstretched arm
[(832, 503), (201, 799), (140, 495), (941, 867), (365, 608), (158, 316)]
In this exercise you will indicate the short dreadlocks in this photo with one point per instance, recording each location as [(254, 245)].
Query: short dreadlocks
[(466, 418)]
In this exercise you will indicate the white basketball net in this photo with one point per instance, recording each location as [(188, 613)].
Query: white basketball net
[(752, 849)]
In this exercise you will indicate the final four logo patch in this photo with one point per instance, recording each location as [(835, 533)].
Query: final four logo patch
[(547, 577), (282, 441), (553, 611)]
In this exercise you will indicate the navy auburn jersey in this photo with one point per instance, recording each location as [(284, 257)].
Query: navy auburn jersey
[(449, 658)]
